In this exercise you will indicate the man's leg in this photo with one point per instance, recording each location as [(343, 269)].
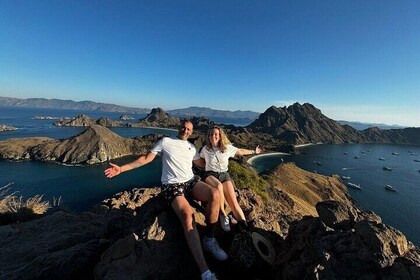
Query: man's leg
[(185, 214), (214, 182), (209, 195)]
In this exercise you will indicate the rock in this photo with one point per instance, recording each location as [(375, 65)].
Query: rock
[(335, 214), (383, 242), (6, 128)]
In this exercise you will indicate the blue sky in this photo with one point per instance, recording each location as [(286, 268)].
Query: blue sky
[(354, 60)]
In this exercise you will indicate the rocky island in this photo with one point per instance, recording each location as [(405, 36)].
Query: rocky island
[(6, 128)]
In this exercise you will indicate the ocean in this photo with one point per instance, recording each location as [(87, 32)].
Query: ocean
[(364, 164), (80, 187)]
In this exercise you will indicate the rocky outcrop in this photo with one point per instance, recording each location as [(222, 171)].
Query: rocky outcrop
[(301, 124), (83, 120), (135, 235), (351, 247), (6, 128), (95, 144), (126, 117), (158, 118)]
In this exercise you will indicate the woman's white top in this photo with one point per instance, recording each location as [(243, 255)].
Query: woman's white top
[(217, 161)]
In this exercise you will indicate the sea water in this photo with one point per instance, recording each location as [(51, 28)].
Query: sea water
[(80, 187), (364, 163)]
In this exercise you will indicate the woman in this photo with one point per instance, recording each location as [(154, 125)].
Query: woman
[(216, 154)]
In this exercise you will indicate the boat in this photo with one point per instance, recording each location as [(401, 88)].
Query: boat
[(354, 186), (346, 177), (345, 153), (386, 168), (416, 160), (381, 158), (390, 188), (395, 153), (356, 157)]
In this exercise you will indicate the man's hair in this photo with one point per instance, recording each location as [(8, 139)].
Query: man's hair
[(184, 121), (223, 142)]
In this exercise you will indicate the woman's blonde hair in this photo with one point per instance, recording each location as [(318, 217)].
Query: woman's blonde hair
[(223, 142)]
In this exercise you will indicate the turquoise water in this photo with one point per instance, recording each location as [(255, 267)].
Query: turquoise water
[(362, 163)]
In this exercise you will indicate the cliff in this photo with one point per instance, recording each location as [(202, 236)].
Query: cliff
[(95, 144), (134, 235)]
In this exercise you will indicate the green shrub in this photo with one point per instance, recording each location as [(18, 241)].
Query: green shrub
[(246, 178)]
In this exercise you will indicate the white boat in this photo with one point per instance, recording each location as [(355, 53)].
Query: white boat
[(390, 188), (356, 157), (381, 158), (386, 168), (346, 177), (395, 153), (354, 186)]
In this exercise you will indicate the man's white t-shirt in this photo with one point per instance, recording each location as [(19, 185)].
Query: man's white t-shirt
[(217, 161), (177, 156)]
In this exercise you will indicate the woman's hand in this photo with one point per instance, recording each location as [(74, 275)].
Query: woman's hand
[(258, 150), (114, 170)]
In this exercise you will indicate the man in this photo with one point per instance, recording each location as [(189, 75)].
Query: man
[(179, 182)]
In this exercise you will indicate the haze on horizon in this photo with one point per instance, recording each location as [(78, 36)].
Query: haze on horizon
[(354, 60)]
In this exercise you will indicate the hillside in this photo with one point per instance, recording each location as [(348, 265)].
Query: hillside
[(134, 235), (95, 144)]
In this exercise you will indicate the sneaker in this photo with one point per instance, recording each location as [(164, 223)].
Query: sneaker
[(224, 222), (208, 276), (210, 245)]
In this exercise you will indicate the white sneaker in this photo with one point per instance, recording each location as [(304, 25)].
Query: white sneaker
[(208, 276), (224, 222), (210, 245)]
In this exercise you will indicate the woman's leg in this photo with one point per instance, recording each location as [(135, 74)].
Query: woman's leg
[(214, 182), (229, 194)]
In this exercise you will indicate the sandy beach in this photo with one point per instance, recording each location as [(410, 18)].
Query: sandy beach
[(250, 160)]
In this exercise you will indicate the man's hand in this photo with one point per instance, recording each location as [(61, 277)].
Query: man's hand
[(114, 170)]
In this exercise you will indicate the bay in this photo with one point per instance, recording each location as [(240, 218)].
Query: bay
[(364, 163)]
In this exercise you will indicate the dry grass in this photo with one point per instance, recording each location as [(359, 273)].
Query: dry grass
[(14, 208)]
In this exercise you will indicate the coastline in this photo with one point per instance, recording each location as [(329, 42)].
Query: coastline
[(251, 159), (305, 145)]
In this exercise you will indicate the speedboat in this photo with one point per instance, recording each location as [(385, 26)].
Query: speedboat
[(386, 168), (390, 188), (381, 158), (354, 186), (395, 153), (346, 177)]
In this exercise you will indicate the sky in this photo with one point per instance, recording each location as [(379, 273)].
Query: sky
[(354, 60)]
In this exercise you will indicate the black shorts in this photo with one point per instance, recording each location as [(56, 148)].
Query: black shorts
[(170, 191), (221, 176)]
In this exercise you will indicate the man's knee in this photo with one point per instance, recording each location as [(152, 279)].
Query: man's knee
[(215, 194)]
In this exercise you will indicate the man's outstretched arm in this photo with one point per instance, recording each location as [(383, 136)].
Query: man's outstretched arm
[(115, 170)]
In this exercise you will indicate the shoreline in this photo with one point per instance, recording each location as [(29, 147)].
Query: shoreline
[(251, 159)]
